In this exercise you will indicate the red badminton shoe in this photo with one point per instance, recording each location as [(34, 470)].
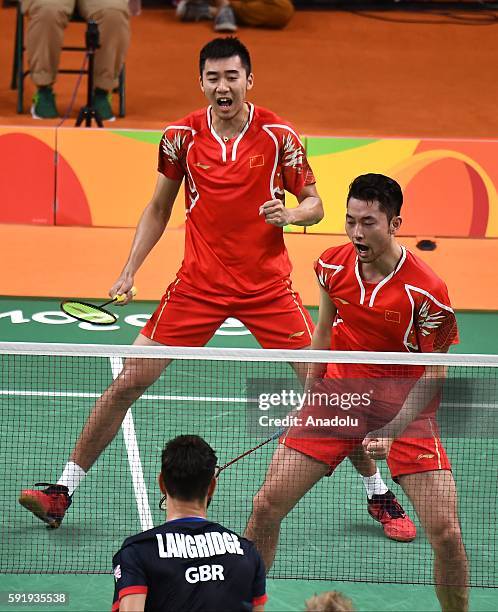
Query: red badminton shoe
[(388, 511), (49, 505)]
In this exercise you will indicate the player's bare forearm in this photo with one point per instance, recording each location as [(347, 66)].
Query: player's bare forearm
[(319, 342), (421, 394), (310, 209), (321, 338), (322, 334), (132, 603), (327, 312), (153, 222), (309, 212), (149, 230), (378, 443)]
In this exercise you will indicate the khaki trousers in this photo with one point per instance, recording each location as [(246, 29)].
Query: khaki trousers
[(46, 22), (263, 13)]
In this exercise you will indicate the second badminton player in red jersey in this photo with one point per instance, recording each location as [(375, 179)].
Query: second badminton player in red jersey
[(375, 296), (406, 310)]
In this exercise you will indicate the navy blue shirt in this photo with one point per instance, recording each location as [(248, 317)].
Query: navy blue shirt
[(190, 564)]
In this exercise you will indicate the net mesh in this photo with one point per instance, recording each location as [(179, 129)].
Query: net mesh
[(46, 395)]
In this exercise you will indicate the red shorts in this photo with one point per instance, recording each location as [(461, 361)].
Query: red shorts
[(407, 455), (275, 316)]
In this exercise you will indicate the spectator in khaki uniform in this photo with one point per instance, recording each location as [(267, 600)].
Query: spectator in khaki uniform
[(46, 22), (228, 13)]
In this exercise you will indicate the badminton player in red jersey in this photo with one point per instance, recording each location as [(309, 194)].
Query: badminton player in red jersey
[(237, 161), (377, 296)]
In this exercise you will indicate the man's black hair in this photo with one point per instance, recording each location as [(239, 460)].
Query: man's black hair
[(382, 189), (188, 465), (221, 48)]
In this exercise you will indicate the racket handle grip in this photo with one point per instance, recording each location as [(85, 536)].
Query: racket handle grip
[(120, 297), (278, 433)]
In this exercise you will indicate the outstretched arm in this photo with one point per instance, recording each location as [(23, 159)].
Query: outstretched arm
[(150, 228)]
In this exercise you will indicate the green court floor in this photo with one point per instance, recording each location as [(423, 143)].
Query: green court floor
[(349, 545), (40, 320)]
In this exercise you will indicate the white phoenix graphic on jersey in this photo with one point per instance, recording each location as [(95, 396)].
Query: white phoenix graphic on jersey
[(172, 148), (428, 322), (292, 156), (323, 278)]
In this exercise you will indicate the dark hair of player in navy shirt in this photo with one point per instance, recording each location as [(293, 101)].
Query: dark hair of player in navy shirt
[(189, 563)]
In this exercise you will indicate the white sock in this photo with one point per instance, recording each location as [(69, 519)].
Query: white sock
[(72, 476), (374, 484)]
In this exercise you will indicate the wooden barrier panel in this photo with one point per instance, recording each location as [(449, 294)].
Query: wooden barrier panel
[(104, 178), (84, 262), (27, 179), (449, 186)]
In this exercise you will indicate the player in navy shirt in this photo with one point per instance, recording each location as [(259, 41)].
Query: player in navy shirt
[(189, 563)]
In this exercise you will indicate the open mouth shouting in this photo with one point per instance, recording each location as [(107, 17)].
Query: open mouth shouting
[(224, 103), (361, 249)]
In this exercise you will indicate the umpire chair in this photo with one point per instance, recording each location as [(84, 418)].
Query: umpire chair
[(19, 73)]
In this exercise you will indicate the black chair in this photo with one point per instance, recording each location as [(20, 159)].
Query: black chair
[(19, 73)]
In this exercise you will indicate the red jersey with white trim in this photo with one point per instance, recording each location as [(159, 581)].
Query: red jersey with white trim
[(228, 246), (409, 310)]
